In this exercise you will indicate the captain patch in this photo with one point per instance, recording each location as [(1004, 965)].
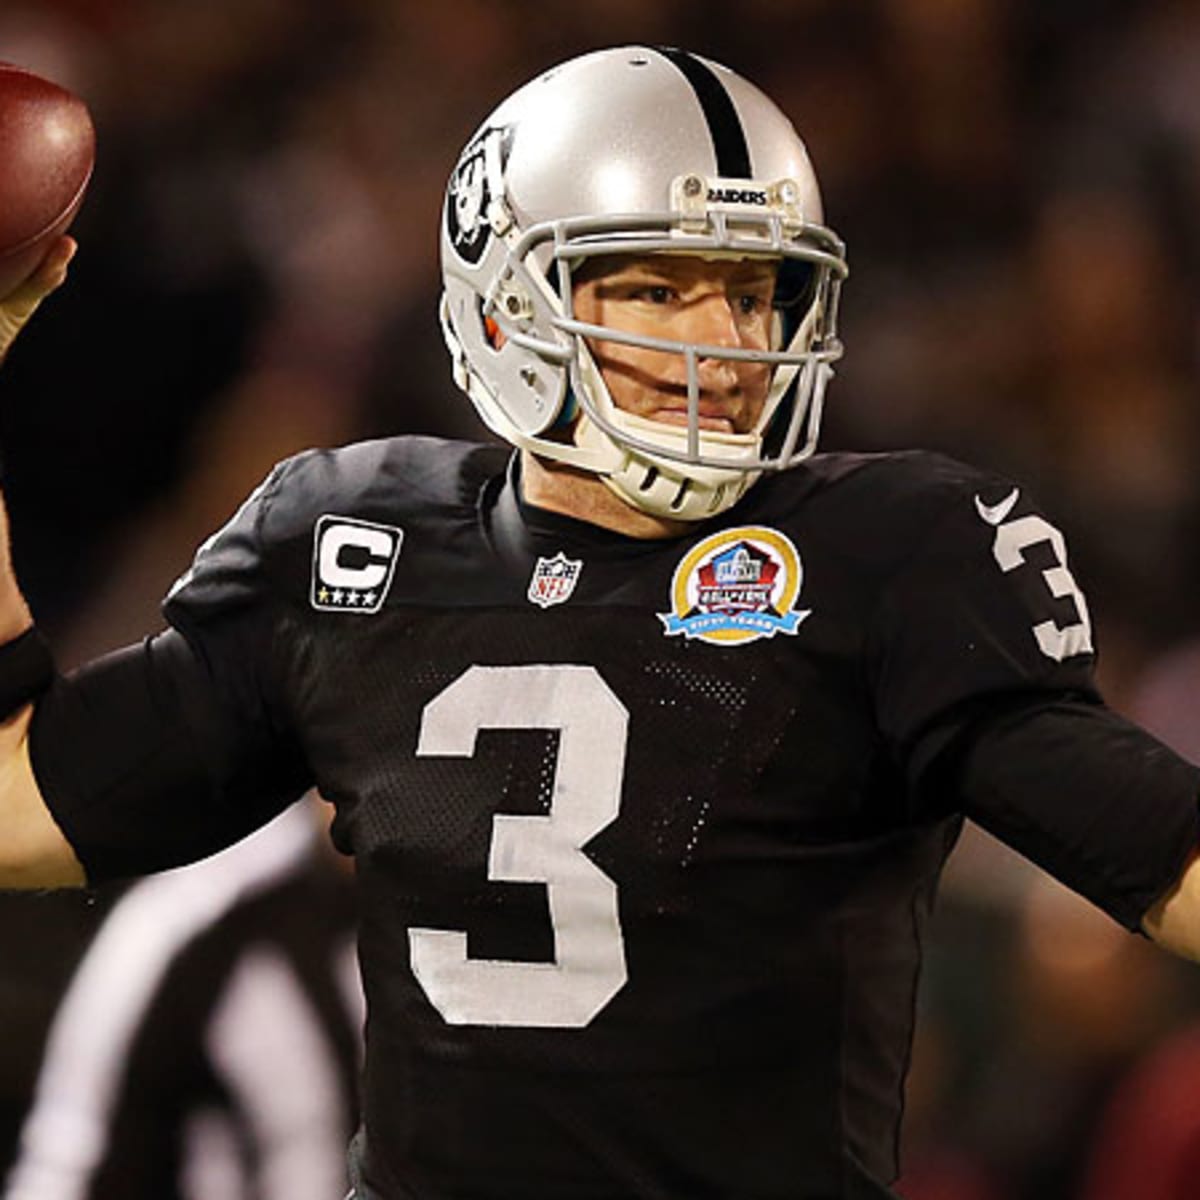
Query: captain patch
[(353, 563)]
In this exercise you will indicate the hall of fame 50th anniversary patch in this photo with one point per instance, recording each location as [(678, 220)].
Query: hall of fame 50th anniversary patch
[(737, 586)]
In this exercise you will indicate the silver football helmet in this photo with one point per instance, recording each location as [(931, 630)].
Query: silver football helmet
[(635, 151)]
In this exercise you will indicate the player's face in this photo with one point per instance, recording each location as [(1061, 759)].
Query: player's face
[(722, 302)]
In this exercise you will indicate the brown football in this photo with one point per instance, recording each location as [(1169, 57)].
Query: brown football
[(47, 151)]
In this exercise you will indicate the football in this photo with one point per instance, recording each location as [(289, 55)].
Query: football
[(47, 151)]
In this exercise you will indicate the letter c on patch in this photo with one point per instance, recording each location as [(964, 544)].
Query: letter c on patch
[(379, 544)]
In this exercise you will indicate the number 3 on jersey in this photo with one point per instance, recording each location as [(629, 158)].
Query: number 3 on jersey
[(1012, 539), (589, 967)]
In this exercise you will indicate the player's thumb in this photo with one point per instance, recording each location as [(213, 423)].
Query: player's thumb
[(19, 305)]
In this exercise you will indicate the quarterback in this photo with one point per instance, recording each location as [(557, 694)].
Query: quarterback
[(651, 734)]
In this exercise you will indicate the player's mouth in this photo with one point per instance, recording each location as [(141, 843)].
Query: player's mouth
[(679, 416)]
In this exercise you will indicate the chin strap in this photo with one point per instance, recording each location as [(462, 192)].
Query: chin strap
[(661, 488)]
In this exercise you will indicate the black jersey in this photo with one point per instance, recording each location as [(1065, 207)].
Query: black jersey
[(646, 832)]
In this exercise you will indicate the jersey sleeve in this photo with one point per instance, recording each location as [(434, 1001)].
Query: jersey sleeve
[(1107, 809), (984, 606), (982, 666), (166, 752)]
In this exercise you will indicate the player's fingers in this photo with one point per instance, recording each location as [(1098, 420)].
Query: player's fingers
[(53, 270), (47, 277), (17, 307)]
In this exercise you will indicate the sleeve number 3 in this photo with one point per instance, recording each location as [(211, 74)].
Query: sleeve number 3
[(589, 966), (1013, 538)]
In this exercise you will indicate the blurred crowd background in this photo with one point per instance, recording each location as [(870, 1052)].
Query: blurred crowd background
[(1018, 182)]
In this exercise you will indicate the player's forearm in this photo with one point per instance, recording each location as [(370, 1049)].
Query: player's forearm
[(15, 311), (15, 616), (1174, 920), (33, 851)]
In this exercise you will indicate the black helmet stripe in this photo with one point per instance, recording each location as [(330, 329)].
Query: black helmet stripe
[(724, 125)]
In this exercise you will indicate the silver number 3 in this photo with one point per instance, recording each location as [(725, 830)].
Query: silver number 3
[(589, 962), (1013, 538)]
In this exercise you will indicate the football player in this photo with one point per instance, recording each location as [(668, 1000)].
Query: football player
[(651, 737)]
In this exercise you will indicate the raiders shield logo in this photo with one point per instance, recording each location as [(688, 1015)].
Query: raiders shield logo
[(476, 182)]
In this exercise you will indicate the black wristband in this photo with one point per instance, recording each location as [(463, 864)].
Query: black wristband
[(26, 671)]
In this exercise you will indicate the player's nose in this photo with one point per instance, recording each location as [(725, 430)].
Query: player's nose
[(716, 325), (715, 321)]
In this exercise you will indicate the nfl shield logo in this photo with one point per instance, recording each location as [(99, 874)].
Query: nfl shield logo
[(554, 579)]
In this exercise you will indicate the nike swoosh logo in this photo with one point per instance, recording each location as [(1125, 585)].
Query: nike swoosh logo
[(994, 514)]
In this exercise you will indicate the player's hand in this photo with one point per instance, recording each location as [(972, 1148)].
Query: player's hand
[(17, 307)]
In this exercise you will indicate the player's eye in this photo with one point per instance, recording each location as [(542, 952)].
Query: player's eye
[(654, 293), (751, 303)]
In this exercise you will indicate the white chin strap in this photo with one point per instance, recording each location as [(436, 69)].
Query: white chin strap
[(663, 487)]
